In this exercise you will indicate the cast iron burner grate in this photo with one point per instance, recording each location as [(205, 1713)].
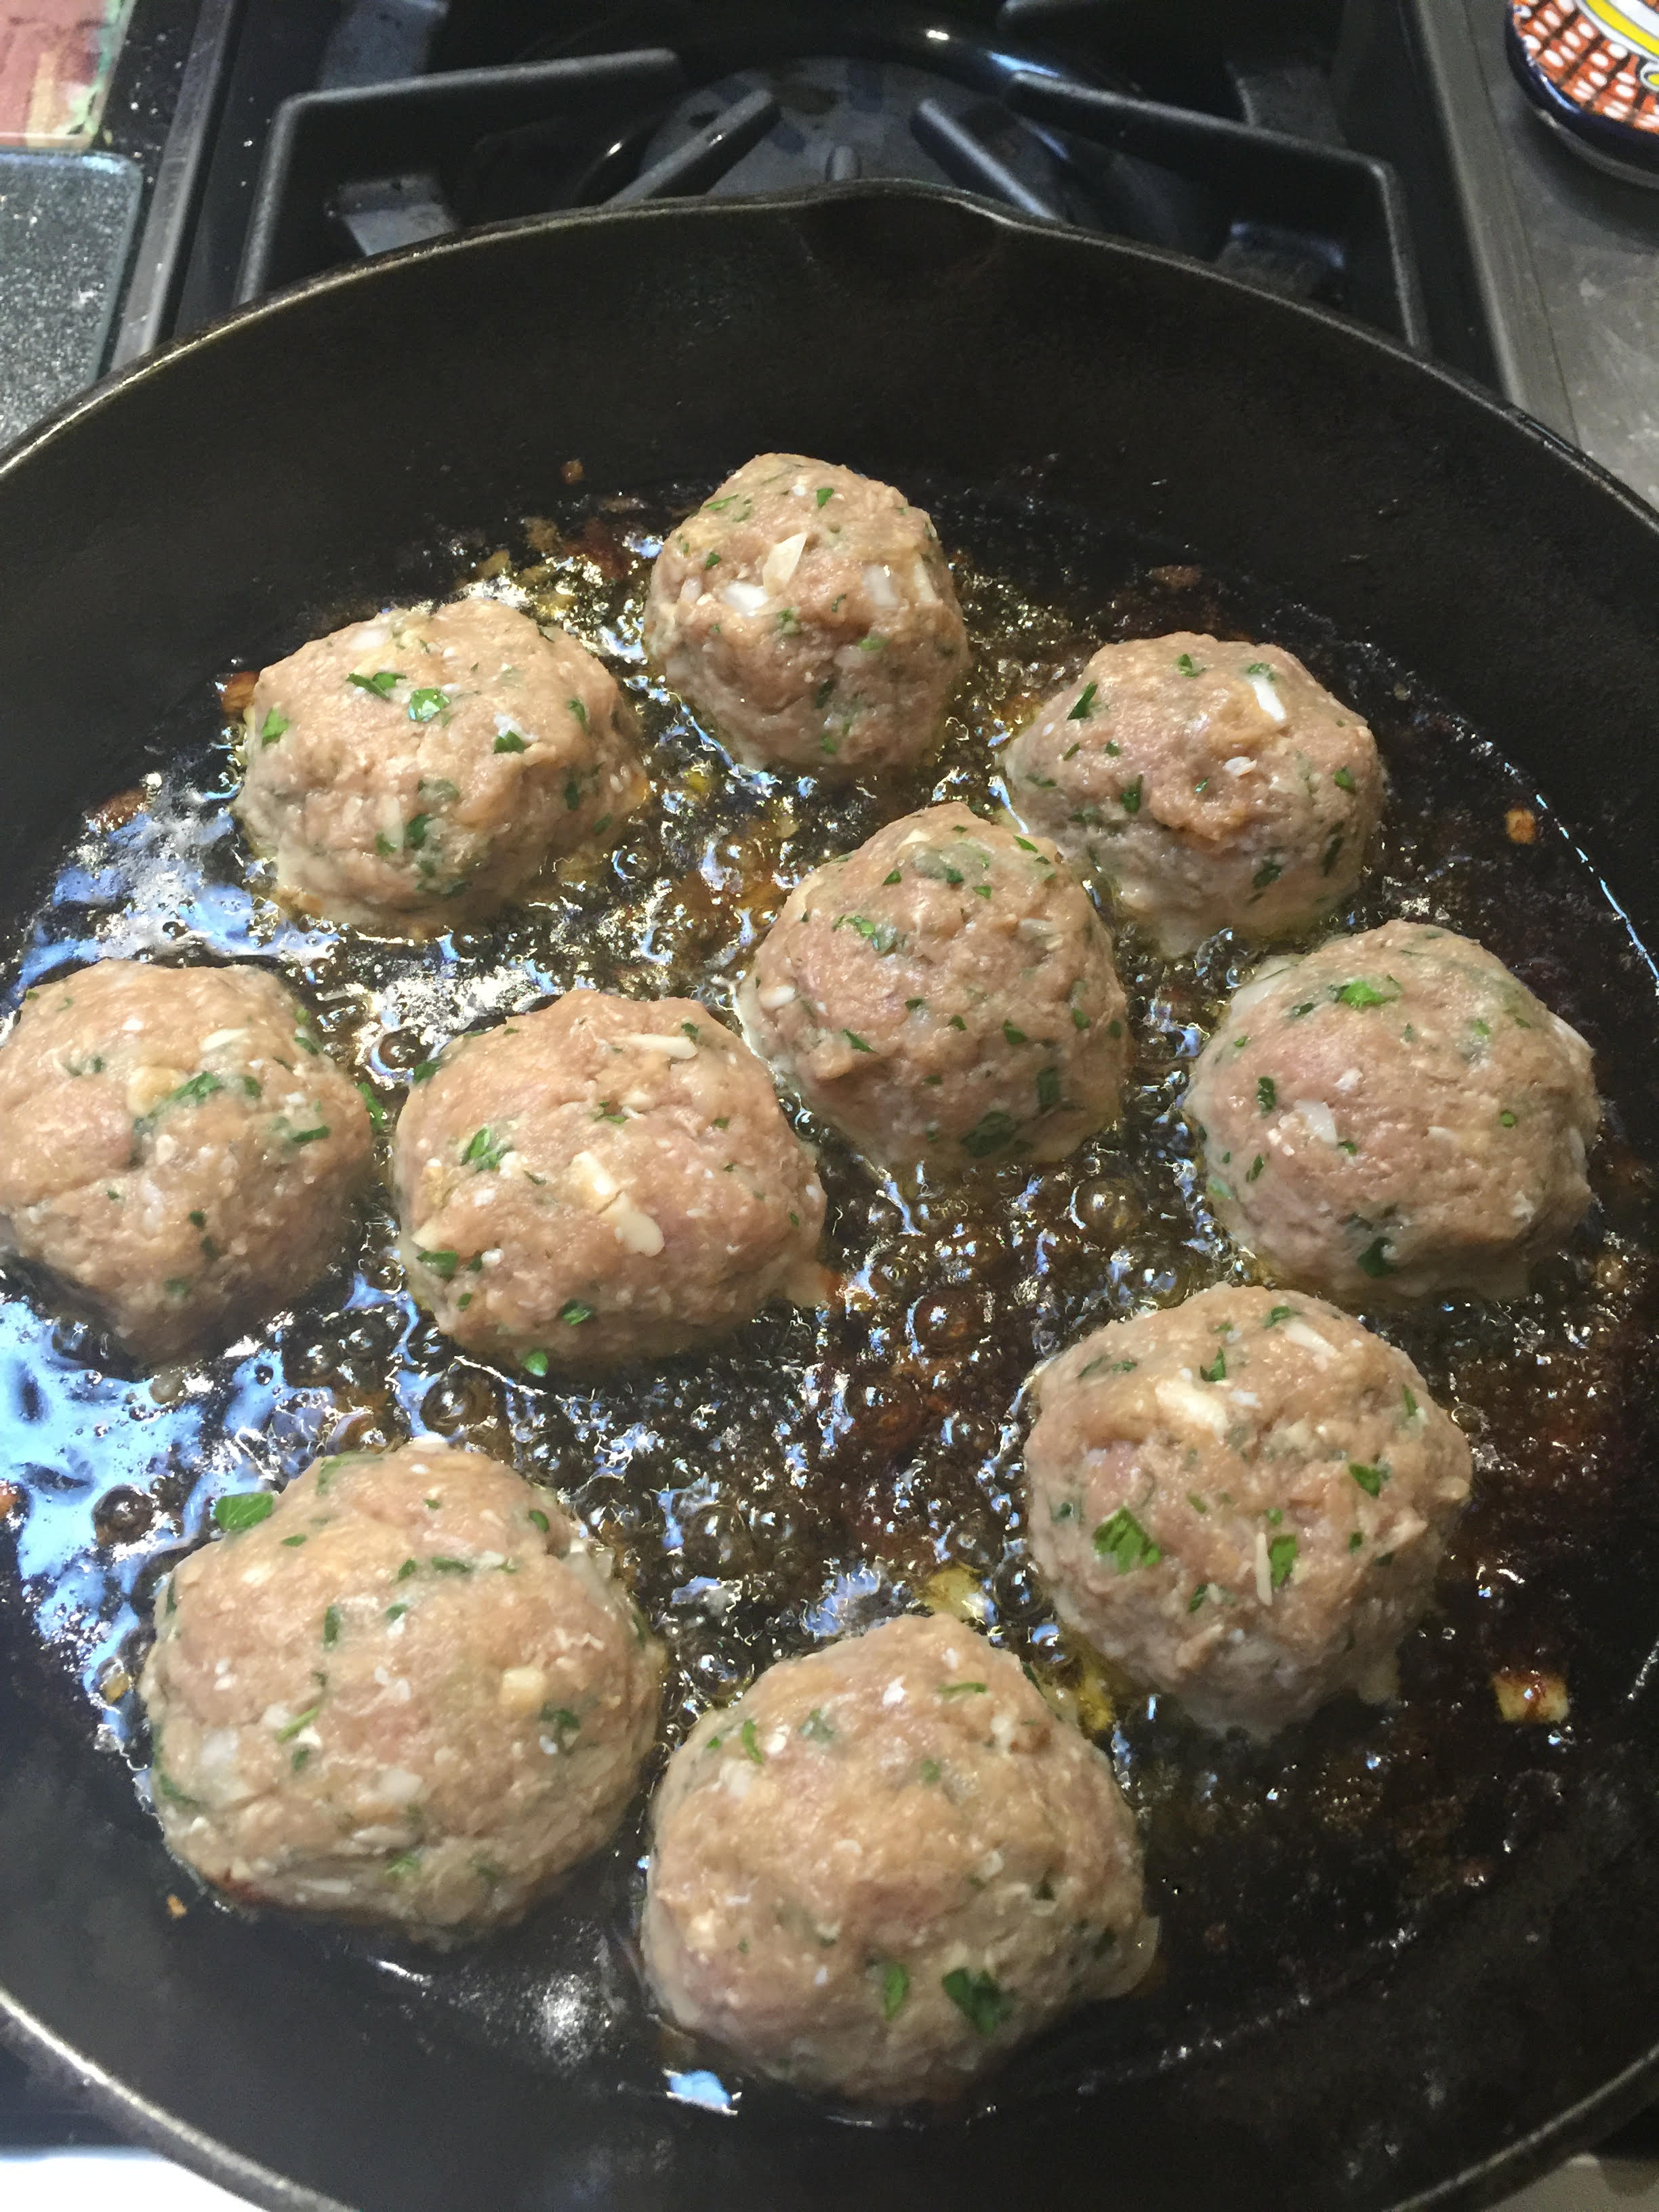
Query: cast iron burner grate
[(519, 110)]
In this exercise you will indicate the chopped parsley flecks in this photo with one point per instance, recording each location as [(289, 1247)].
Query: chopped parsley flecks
[(1217, 1371), (441, 1264), (485, 1151), (1198, 1597), (1370, 1479), (1129, 798), (577, 710), (534, 1362), (1123, 1540), (539, 1518), (426, 704), (1281, 1558), (331, 1624), (575, 1312), (275, 725), (991, 1133), (979, 1997), (749, 1738), (1084, 706), (1277, 1315), (382, 684), (857, 1042), (245, 1509), (816, 1728), (894, 1988), (1047, 1089), (509, 741), (880, 936), (1268, 873), (1267, 1093), (963, 1690), (1374, 1261), (1359, 992), (1255, 1167), (1188, 666), (1344, 779)]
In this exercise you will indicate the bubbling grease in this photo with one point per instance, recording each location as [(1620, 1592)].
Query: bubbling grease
[(827, 1469)]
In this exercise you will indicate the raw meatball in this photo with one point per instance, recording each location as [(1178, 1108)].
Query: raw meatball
[(1394, 1117), (176, 1149), (605, 1180), (411, 773), (809, 613), (407, 1693), (1242, 1501), (1212, 786), (886, 1865), (945, 993)]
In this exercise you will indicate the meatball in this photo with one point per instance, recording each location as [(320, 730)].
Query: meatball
[(886, 1865), (605, 1180), (945, 993), (408, 1693), (1242, 1501), (1211, 786), (1394, 1117), (809, 613), (411, 773), (176, 1149)]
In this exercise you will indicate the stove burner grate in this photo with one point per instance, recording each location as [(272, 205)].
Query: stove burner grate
[(653, 101)]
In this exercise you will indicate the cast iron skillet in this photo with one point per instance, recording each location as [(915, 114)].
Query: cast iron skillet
[(175, 520)]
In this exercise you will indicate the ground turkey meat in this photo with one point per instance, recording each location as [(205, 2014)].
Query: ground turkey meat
[(808, 612), (945, 993), (1394, 1117), (887, 1865), (1242, 1501), (605, 1180), (176, 1149), (405, 1691), (1211, 786), (410, 772)]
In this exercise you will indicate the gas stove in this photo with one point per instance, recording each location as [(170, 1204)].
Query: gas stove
[(1374, 156)]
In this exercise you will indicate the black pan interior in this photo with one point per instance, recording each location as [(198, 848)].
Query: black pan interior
[(293, 464)]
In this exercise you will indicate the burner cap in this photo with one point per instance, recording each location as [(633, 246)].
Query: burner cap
[(1591, 69)]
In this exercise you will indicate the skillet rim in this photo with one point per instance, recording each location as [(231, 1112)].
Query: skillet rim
[(146, 2122)]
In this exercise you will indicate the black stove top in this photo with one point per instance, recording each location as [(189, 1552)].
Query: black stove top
[(313, 133)]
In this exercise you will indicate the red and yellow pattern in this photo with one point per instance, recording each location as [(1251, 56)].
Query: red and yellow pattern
[(1601, 56)]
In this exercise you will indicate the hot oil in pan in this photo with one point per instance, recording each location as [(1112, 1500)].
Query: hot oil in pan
[(830, 1468)]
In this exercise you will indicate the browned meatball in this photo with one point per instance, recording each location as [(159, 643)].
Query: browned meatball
[(176, 1149), (1244, 1501), (409, 1693), (809, 613), (413, 772), (887, 1865), (945, 993), (1395, 1117), (1212, 786), (605, 1180)]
